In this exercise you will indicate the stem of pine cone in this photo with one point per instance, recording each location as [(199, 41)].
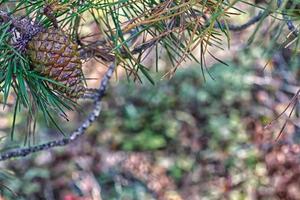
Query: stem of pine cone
[(22, 24), (4, 16)]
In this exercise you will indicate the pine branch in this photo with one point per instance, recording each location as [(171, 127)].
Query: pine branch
[(288, 21), (22, 152), (163, 24), (91, 50), (241, 27)]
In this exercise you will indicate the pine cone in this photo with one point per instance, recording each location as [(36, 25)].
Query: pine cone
[(55, 56)]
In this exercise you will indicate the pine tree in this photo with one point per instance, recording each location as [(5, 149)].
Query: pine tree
[(42, 47)]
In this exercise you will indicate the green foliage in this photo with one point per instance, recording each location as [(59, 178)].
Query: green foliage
[(160, 119), (30, 179), (210, 113), (6, 176), (132, 190), (148, 118)]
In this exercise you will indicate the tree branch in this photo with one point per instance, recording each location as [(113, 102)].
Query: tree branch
[(288, 21), (21, 152), (252, 21), (92, 50)]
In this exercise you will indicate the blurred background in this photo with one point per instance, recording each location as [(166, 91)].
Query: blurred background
[(186, 138)]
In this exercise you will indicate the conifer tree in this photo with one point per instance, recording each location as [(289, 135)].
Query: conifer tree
[(42, 47)]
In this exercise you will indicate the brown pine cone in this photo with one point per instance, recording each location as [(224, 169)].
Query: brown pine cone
[(55, 56)]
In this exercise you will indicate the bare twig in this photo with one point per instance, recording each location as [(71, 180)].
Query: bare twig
[(21, 152)]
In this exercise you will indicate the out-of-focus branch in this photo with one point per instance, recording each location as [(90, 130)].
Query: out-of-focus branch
[(288, 21), (250, 22), (21, 152)]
